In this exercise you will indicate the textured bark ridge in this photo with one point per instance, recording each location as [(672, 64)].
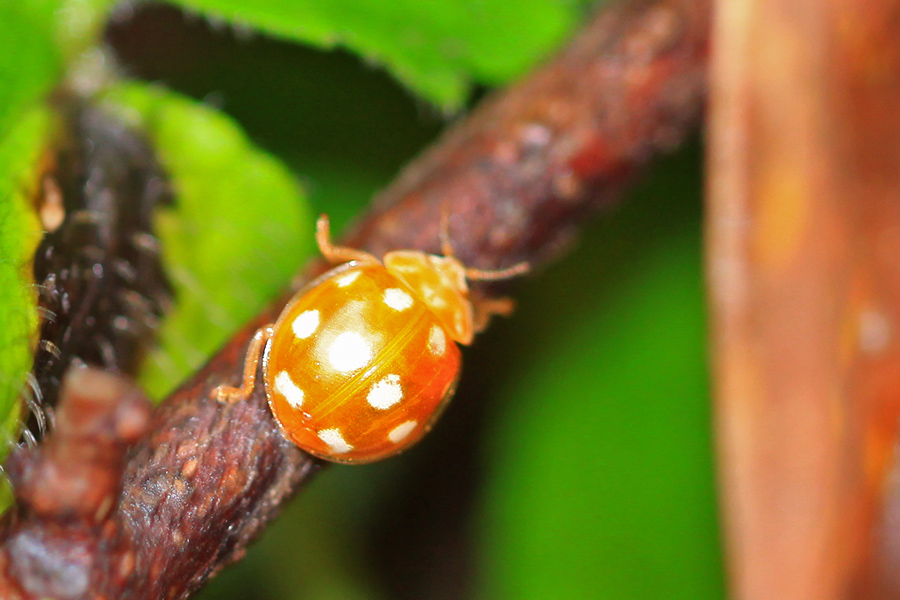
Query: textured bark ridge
[(517, 176)]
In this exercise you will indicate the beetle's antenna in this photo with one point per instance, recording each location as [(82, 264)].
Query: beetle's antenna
[(471, 273), (498, 274), (446, 246)]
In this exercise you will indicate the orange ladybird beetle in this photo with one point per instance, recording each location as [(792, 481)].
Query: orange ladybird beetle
[(361, 362)]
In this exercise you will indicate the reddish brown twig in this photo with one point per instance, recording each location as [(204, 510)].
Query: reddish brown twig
[(64, 538), (517, 176)]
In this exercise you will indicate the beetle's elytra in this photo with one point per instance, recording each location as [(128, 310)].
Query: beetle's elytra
[(359, 366)]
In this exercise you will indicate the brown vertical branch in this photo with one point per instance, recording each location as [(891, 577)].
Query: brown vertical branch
[(804, 240), (518, 177)]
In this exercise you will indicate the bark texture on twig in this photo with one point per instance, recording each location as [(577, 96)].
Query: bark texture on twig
[(65, 538), (803, 262), (517, 177)]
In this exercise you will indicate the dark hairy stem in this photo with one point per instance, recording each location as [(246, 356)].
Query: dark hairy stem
[(100, 280), (517, 177)]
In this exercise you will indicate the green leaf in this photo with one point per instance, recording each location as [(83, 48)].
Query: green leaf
[(37, 39), (437, 48), (238, 230), (29, 63), (29, 66), (20, 152), (600, 479)]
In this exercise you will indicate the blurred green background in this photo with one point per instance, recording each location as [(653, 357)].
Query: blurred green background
[(576, 459)]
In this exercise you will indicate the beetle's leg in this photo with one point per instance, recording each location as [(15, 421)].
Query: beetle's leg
[(227, 393), (485, 308), (337, 254)]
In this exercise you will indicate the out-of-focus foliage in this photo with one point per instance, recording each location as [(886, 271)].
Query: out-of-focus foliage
[(29, 62), (238, 229), (37, 38), (437, 48)]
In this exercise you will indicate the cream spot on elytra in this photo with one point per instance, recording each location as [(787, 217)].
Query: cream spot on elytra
[(285, 386), (335, 440), (437, 340), (347, 279), (433, 298), (386, 393), (401, 431), (349, 351), (306, 324), (397, 299)]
